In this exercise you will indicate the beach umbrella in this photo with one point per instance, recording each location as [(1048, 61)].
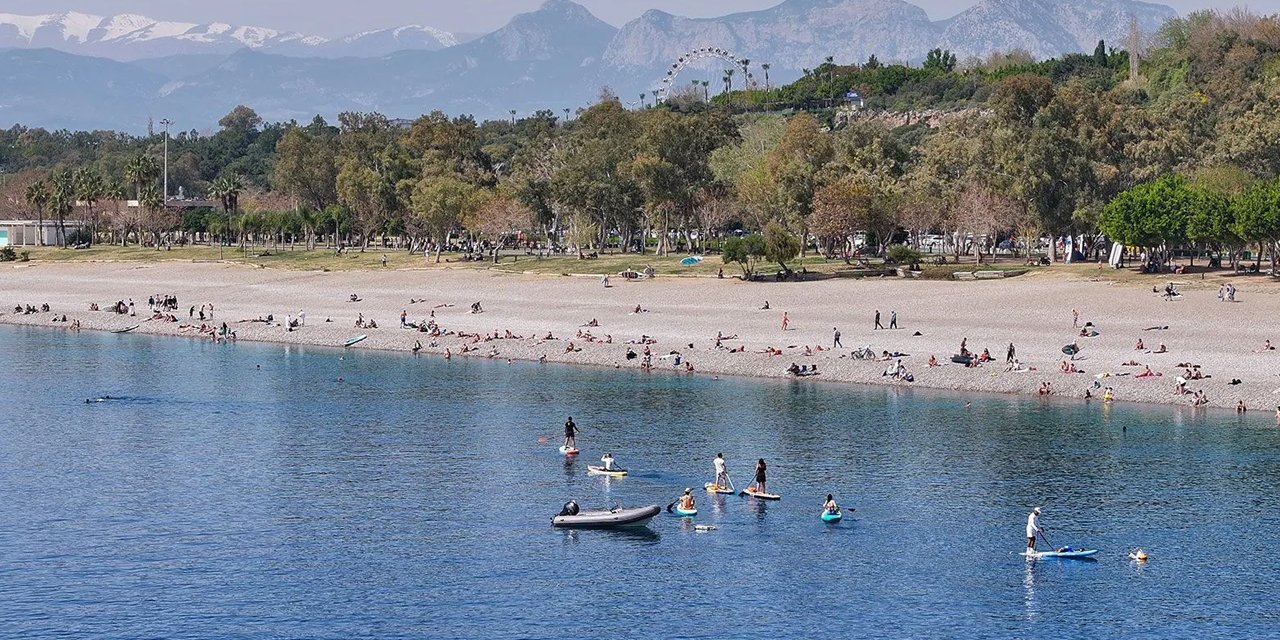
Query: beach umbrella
[(690, 261), (1071, 349)]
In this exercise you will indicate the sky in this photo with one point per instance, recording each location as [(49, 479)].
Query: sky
[(342, 17)]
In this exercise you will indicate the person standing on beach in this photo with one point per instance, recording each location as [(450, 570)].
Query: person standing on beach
[(836, 343), (1075, 319), (878, 325), (786, 320), (893, 319), (1009, 358)]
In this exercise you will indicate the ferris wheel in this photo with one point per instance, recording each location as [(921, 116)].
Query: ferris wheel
[(668, 83)]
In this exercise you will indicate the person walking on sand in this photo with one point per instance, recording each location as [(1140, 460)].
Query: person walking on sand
[(878, 325), (1009, 357), (1075, 319), (835, 344), (786, 320), (893, 319)]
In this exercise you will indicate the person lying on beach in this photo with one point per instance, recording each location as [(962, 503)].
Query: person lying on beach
[(771, 351), (1158, 328), (1266, 347), (1131, 363), (720, 336), (593, 323), (639, 310), (548, 336), (572, 349), (1162, 349), (1018, 367), (1069, 367), (1148, 373), (439, 306), (1088, 333), (355, 298), (476, 308), (766, 306)]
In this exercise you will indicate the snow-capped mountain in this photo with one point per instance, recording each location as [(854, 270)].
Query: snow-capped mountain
[(133, 37), (556, 57)]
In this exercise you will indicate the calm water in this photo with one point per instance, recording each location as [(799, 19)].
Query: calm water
[(244, 492)]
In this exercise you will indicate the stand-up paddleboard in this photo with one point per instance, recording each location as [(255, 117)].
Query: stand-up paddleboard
[(752, 492), (686, 513), (601, 471), (1065, 553), (715, 488), (569, 451), (827, 516), (127, 329), (354, 341)]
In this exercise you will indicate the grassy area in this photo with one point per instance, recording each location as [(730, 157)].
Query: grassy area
[(297, 259)]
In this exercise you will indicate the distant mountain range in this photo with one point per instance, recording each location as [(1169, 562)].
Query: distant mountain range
[(79, 71), (133, 37)]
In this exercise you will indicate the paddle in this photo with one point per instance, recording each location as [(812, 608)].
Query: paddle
[(1046, 540)]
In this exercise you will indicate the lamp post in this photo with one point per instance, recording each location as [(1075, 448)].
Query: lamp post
[(166, 122)]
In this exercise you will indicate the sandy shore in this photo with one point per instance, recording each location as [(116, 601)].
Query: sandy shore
[(1033, 312)]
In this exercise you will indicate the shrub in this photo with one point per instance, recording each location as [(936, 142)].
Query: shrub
[(7, 254), (902, 254)]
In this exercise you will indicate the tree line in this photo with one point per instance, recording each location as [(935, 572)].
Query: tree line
[(1182, 156)]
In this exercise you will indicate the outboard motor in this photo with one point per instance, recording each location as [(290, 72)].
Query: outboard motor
[(570, 509)]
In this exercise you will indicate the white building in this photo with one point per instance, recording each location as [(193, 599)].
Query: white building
[(25, 233)]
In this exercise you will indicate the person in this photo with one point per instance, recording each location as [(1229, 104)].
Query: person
[(607, 461), (1240, 406), (766, 306), (761, 480), (1033, 530), (878, 325), (1008, 358), (722, 473), (893, 319), (1075, 319), (786, 320), (686, 501), (836, 343), (570, 434), (831, 506)]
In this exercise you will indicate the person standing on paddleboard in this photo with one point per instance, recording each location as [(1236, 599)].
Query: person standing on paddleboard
[(570, 434), (761, 468), (1033, 530), (722, 473)]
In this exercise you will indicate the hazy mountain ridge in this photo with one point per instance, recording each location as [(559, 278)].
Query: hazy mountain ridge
[(553, 58), (131, 37)]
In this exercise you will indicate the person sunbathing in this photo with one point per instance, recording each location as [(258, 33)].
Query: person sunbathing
[(1148, 373), (933, 361), (1140, 346), (1162, 349)]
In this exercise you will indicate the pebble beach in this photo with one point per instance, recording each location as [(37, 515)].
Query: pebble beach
[(1034, 312)]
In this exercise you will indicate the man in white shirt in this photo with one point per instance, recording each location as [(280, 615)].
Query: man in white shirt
[(1033, 529), (722, 474)]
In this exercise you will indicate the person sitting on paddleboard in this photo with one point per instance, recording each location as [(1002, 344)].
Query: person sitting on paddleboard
[(722, 474), (570, 434), (831, 505), (686, 500), (761, 468), (607, 461), (1033, 530)]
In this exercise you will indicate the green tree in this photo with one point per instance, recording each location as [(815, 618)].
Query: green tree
[(940, 61), (1257, 218), (746, 252), (37, 197), (780, 246), (1153, 215)]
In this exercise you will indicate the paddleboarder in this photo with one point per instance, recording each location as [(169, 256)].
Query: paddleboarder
[(607, 461), (761, 469), (570, 434), (686, 501), (722, 473), (1033, 530), (831, 506)]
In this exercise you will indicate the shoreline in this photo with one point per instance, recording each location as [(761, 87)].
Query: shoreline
[(690, 311)]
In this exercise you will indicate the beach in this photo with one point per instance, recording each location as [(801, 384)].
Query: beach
[(1034, 312)]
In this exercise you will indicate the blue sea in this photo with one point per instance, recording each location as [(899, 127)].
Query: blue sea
[(266, 491)]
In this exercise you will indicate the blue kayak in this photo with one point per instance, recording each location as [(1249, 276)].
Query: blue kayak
[(827, 516)]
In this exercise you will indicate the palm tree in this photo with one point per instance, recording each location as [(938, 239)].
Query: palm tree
[(642, 103), (566, 115), (226, 190), (140, 170), (62, 201), (115, 192), (513, 117), (37, 197), (706, 93), (728, 75), (766, 68), (152, 202), (90, 188), (745, 63)]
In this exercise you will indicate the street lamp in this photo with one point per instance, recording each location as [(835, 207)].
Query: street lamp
[(166, 122)]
